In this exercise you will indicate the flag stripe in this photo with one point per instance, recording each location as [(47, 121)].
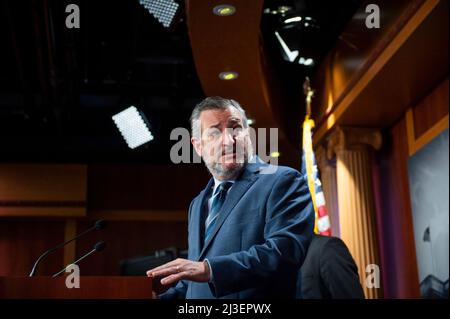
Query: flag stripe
[(309, 168)]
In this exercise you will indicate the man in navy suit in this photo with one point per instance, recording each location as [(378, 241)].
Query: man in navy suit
[(250, 227)]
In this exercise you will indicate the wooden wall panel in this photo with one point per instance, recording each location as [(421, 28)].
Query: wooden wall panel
[(42, 182), (145, 187), (393, 200), (126, 239), (353, 53), (404, 66), (23, 240), (431, 109), (396, 237), (42, 190)]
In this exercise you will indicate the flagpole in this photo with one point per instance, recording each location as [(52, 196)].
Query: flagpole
[(309, 166), (309, 93), (308, 149)]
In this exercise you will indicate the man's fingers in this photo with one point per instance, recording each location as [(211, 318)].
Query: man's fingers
[(169, 264), (173, 278), (166, 272), (165, 266), (152, 272), (181, 269)]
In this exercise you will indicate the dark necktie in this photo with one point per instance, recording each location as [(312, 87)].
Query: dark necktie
[(217, 203)]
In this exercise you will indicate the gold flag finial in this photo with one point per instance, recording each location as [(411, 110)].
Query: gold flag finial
[(309, 93)]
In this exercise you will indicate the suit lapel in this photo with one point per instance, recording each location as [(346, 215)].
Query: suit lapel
[(197, 209), (239, 188)]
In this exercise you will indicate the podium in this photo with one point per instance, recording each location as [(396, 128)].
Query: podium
[(91, 287)]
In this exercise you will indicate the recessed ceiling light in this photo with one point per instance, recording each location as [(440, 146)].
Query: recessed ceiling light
[(227, 76), (224, 10)]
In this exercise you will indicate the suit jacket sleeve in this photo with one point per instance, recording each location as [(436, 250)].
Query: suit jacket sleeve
[(339, 271), (179, 291), (288, 230)]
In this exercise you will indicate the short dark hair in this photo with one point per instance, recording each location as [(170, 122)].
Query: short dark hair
[(214, 103)]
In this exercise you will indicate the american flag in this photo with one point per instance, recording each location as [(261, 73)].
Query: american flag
[(309, 168)]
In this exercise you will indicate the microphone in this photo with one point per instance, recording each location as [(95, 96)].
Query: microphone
[(100, 224), (98, 247)]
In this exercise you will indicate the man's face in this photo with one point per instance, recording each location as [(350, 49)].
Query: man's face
[(224, 142)]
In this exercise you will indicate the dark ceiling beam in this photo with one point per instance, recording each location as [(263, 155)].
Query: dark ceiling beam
[(54, 80), (40, 42), (8, 15)]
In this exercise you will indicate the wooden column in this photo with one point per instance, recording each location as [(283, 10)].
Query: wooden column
[(327, 171), (353, 149)]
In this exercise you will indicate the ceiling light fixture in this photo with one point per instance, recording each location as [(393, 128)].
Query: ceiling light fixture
[(132, 124), (163, 10), (307, 62), (228, 76), (293, 19), (224, 10), (291, 55)]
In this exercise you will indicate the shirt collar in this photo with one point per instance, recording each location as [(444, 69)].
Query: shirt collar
[(217, 183)]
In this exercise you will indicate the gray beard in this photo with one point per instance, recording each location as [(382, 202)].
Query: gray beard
[(217, 169)]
